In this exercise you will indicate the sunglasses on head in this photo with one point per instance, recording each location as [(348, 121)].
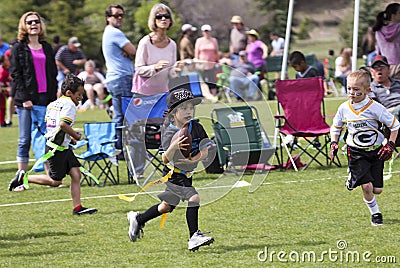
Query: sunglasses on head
[(117, 16), (30, 22), (160, 16)]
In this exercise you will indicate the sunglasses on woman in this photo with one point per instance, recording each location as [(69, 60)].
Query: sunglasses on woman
[(160, 16), (30, 22)]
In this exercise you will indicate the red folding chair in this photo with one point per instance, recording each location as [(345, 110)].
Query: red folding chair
[(302, 101)]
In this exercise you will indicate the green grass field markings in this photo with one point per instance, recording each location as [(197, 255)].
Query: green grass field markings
[(155, 192)]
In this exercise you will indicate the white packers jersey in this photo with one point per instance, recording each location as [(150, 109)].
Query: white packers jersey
[(61, 110), (363, 121)]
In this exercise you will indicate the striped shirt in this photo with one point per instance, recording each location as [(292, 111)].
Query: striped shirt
[(66, 57)]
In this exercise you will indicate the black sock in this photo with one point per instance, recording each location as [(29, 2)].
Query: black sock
[(149, 214), (192, 217)]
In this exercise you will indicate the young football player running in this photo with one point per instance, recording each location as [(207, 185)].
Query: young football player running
[(179, 187), (367, 148), (60, 116)]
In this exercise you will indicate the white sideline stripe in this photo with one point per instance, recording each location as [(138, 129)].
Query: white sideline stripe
[(14, 162), (154, 192)]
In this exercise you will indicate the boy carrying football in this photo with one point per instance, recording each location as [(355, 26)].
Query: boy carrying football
[(365, 149), (179, 187)]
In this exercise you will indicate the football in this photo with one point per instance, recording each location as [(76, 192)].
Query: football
[(183, 132)]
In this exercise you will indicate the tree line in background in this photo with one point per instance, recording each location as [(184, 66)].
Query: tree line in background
[(86, 20)]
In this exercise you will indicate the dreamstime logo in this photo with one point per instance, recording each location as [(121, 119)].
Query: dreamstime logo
[(339, 254)]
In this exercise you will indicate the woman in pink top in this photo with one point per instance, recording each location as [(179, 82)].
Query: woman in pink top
[(387, 33), (206, 49), (156, 52), (154, 64), (257, 51), (34, 85)]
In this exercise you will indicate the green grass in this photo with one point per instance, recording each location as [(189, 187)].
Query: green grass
[(291, 212)]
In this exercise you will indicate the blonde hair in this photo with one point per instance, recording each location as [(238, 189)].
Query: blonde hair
[(346, 56), (90, 63), (23, 29), (362, 77), (152, 17)]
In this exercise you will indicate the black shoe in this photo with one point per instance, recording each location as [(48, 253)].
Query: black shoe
[(349, 185), (84, 210), (377, 219), (17, 180), (317, 145)]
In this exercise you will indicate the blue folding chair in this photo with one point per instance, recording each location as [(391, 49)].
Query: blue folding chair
[(144, 116), (189, 81), (100, 155)]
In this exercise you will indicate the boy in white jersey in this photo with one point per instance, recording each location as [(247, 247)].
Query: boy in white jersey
[(60, 116), (366, 152)]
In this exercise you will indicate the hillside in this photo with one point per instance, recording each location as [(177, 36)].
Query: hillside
[(325, 15)]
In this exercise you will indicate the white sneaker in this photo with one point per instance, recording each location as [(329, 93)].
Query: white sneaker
[(134, 229), (198, 239), (19, 188)]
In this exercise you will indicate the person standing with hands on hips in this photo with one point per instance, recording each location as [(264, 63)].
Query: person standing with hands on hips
[(366, 146)]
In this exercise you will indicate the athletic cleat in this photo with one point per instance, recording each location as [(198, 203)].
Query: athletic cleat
[(84, 210), (135, 231), (348, 183), (17, 180), (19, 188), (198, 240), (377, 219)]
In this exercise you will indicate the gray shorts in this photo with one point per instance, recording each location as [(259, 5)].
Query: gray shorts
[(173, 194)]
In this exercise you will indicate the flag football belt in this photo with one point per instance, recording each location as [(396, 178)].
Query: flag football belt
[(371, 148), (164, 179), (188, 174), (49, 154)]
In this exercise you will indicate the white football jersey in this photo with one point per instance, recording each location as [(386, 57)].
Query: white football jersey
[(363, 121), (60, 110)]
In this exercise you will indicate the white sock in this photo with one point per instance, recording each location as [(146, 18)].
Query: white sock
[(372, 205)]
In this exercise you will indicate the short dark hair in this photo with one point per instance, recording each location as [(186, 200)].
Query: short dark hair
[(56, 39), (71, 83), (296, 57), (109, 10)]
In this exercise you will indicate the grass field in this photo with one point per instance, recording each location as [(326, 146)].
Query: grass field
[(296, 219)]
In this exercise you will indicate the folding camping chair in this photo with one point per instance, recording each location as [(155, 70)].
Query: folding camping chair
[(238, 136), (100, 152), (144, 117), (302, 101), (189, 81), (223, 81), (273, 64)]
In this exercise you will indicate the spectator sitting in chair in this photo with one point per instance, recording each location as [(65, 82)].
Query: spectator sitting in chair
[(298, 61), (94, 83), (243, 76), (385, 89)]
